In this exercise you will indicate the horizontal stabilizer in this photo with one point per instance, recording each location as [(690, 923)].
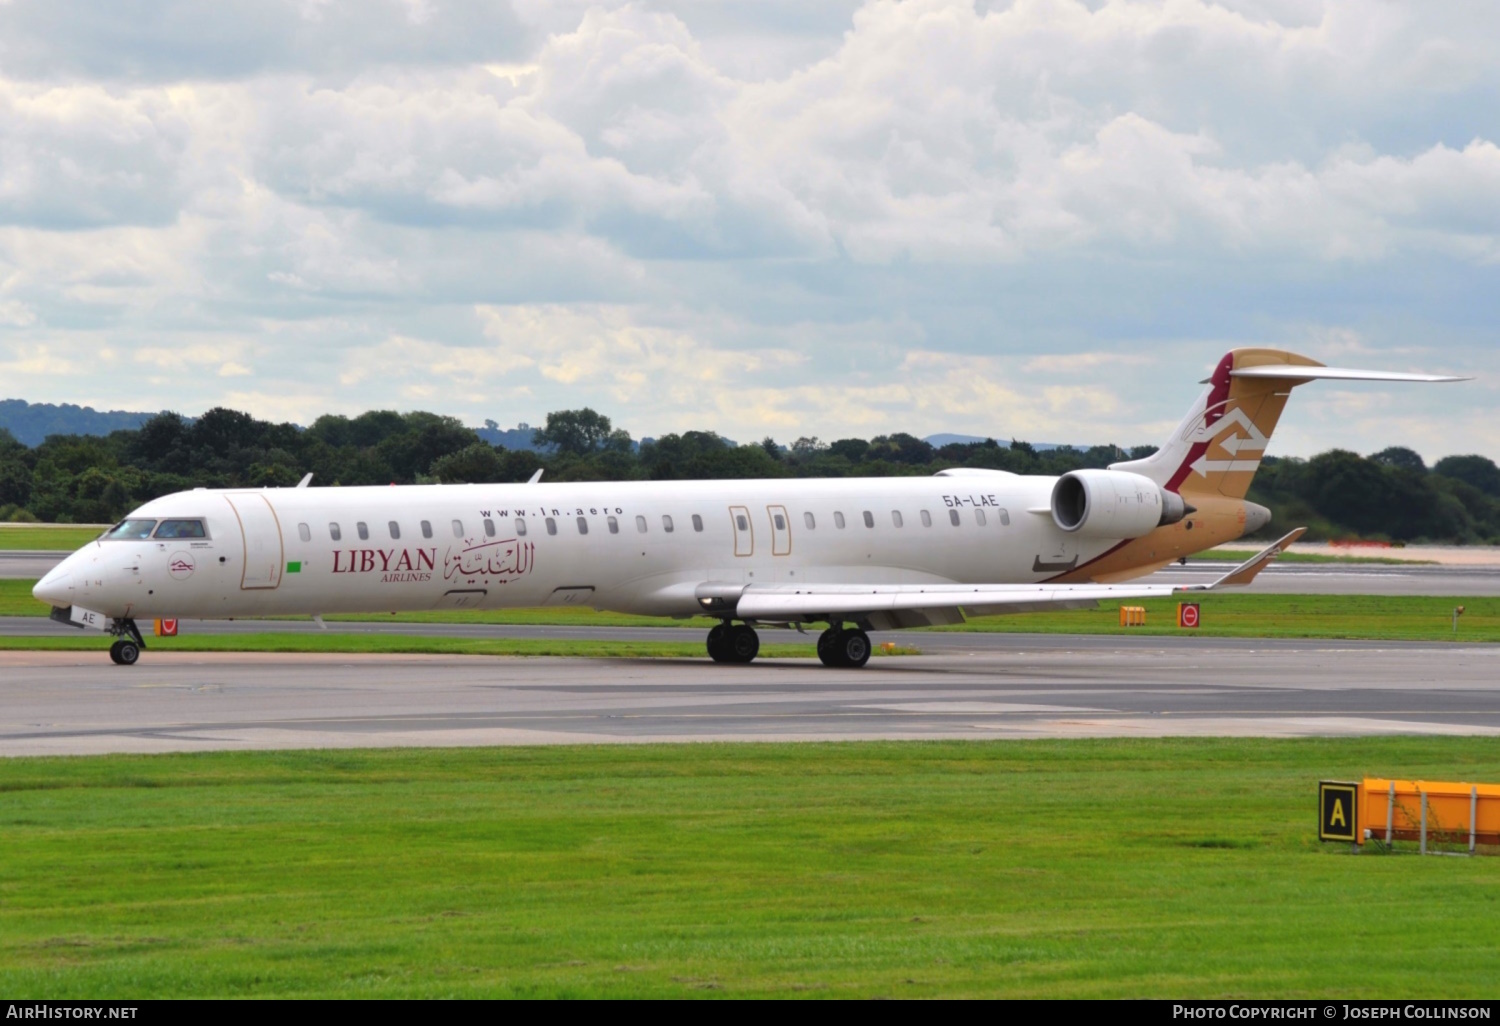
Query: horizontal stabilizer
[(1246, 571), (1298, 372)]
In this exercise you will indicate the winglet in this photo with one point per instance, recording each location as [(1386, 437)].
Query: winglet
[(537, 476), (1246, 571), (306, 480)]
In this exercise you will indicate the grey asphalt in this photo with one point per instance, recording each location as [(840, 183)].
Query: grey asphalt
[(1005, 687), (27, 565), (928, 642), (1279, 578)]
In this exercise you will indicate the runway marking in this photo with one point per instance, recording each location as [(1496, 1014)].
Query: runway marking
[(958, 708)]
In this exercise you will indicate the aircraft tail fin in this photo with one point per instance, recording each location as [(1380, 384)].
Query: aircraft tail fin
[(1218, 447)]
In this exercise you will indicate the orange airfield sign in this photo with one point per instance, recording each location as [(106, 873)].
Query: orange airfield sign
[(1454, 812)]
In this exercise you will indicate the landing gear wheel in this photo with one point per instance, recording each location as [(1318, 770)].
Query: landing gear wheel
[(718, 643), (853, 648), (124, 653), (828, 646), (744, 644)]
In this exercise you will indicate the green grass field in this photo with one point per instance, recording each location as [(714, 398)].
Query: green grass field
[(46, 537), (368, 644), (1161, 868), (1410, 618), (1240, 555)]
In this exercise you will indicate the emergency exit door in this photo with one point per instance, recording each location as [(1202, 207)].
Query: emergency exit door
[(781, 531), (744, 531)]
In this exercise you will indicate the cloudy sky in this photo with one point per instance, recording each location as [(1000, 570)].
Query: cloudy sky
[(1043, 218)]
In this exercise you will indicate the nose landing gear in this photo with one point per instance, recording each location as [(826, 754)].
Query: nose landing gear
[(124, 653), (127, 649), (730, 643)]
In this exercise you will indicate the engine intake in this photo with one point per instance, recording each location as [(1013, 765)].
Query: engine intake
[(1113, 504)]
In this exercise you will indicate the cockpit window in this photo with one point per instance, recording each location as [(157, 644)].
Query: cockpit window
[(181, 529), (130, 530)]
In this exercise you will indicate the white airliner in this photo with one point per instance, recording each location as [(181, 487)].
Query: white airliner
[(858, 554)]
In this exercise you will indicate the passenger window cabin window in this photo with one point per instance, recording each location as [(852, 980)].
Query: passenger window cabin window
[(395, 530), (666, 522), (304, 532), (697, 522), (779, 521), (896, 517), (979, 517), (131, 530), (1005, 518), (363, 530), (838, 520), (583, 525), (551, 526), (335, 532), (869, 519), (926, 519), (953, 517), (520, 528), (427, 529), (489, 528), (181, 529), (614, 525), (807, 518), (741, 522), (640, 525), (458, 528)]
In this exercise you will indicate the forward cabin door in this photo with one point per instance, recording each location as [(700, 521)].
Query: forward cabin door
[(261, 533), (781, 531)]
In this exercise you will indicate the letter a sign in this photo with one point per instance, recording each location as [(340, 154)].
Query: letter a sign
[(1338, 811)]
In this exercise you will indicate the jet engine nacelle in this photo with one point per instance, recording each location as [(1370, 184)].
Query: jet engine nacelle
[(1113, 504)]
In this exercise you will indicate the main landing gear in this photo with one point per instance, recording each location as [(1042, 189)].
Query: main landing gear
[(127, 649), (848, 648), (728, 643)]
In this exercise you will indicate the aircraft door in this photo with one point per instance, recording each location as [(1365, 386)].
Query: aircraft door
[(781, 531), (261, 533), (744, 531)]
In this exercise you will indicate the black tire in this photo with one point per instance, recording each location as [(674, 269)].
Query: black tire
[(718, 643), (744, 644), (828, 647), (854, 648), (124, 653)]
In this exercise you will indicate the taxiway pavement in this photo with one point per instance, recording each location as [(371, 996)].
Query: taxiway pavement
[(79, 703)]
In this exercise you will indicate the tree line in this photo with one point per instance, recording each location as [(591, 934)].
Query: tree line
[(1390, 495)]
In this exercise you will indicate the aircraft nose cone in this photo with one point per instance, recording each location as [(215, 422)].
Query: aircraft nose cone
[(56, 588)]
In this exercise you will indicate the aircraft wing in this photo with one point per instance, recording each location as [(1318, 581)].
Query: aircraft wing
[(887, 606)]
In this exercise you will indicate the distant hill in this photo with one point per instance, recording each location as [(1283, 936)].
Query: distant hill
[(938, 441), (31, 423), (519, 437), (516, 438)]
